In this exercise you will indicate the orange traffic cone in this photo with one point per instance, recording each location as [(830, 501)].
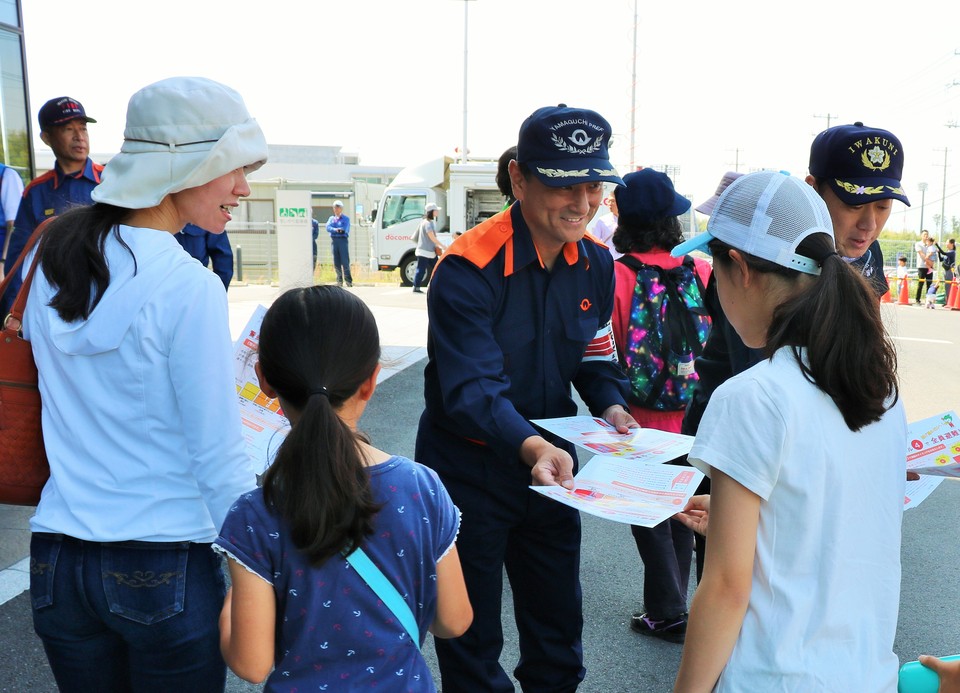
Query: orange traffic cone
[(956, 297), (904, 292), (951, 296), (886, 297)]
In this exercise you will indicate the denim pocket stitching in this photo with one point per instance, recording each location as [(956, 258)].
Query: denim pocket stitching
[(42, 573), (144, 595)]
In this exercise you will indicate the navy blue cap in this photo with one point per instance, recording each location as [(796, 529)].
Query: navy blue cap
[(565, 146), (62, 110), (648, 195), (861, 164)]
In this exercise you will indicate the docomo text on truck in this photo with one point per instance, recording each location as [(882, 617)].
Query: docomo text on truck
[(465, 192)]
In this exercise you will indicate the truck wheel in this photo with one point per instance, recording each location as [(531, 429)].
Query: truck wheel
[(408, 268)]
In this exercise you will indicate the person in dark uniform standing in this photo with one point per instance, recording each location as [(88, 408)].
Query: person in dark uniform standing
[(63, 128), (520, 310), (338, 226)]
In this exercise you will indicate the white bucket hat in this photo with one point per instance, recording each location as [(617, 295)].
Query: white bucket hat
[(180, 133)]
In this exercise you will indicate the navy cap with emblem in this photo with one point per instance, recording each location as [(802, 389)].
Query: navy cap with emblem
[(62, 110), (565, 146), (860, 163)]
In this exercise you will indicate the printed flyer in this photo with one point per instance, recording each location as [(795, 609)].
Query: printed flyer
[(624, 490), (264, 425), (933, 452), (600, 438), (626, 481)]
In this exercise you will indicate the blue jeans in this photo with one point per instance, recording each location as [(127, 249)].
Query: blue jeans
[(128, 616), (424, 266)]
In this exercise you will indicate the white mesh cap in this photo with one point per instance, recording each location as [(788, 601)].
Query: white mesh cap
[(766, 214)]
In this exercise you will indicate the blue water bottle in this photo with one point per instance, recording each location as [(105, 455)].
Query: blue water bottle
[(916, 678)]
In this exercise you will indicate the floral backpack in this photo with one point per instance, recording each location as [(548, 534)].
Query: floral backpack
[(667, 329)]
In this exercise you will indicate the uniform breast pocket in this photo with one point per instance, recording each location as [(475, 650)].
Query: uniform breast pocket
[(582, 330), (515, 340)]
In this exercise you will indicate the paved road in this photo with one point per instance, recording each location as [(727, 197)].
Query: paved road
[(618, 661)]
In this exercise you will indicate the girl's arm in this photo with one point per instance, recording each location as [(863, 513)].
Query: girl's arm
[(720, 601), (432, 236), (454, 613), (247, 625)]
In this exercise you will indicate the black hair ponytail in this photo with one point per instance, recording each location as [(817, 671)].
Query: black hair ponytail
[(317, 346)]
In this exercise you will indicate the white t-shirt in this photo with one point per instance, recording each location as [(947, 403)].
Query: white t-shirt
[(826, 576)]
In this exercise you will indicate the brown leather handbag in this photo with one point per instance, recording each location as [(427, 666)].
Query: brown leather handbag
[(23, 460)]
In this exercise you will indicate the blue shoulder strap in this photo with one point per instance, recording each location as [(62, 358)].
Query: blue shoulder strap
[(384, 589)]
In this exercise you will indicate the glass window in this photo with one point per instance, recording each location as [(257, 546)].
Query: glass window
[(14, 136), (8, 13), (403, 207)]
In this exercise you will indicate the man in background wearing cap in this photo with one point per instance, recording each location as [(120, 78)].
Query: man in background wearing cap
[(857, 169), (63, 128), (338, 226), (520, 310)]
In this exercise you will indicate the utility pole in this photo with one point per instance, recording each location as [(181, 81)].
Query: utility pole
[(672, 171), (943, 198), (466, 25), (736, 159), (829, 118), (923, 198)]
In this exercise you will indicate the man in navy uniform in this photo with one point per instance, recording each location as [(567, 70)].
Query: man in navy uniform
[(63, 128), (856, 169), (338, 226), (520, 310)]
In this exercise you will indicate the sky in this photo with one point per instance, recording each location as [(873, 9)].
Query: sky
[(740, 85)]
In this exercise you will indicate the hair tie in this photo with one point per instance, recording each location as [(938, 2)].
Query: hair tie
[(322, 391), (829, 255)]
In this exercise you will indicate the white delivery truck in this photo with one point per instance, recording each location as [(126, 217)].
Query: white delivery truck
[(465, 192)]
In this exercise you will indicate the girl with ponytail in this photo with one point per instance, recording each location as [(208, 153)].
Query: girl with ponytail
[(296, 604), (804, 451)]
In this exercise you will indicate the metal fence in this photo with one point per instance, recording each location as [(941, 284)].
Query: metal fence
[(254, 246)]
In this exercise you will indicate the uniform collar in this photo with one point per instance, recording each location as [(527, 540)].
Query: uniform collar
[(524, 250), (89, 171)]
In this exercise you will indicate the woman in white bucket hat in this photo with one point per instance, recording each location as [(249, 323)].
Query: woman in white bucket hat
[(140, 417)]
